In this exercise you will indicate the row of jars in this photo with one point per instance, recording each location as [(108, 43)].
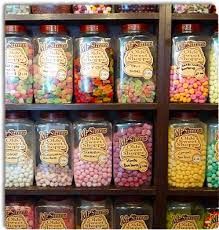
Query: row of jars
[(87, 213), (44, 68), (100, 213), (92, 154)]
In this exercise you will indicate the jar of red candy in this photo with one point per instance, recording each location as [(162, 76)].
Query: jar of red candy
[(136, 72), (54, 164), (93, 65), (188, 78), (132, 151), (135, 8), (94, 212), (51, 9), (54, 213), (92, 151), (19, 215), (18, 65), (53, 80)]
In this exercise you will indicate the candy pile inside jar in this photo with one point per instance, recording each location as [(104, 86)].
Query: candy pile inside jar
[(92, 9), (93, 66), (188, 78), (53, 80), (18, 65), (17, 9), (211, 218), (51, 9), (125, 8), (191, 8), (132, 151)]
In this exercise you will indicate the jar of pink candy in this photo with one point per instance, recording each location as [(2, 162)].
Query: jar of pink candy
[(54, 164), (92, 151), (188, 78), (18, 65), (132, 151), (92, 9)]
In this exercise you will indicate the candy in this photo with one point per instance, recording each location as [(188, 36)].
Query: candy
[(93, 67), (125, 8), (53, 81), (186, 154), (17, 9), (132, 154), (92, 9), (51, 9), (191, 8), (19, 215), (211, 218)]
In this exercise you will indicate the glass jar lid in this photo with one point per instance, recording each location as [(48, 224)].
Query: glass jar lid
[(132, 116), (16, 115), (52, 115), (50, 29), (188, 28), (11, 29), (95, 28), (140, 27)]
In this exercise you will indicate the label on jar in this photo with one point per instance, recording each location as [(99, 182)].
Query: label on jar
[(16, 60), (133, 221), (15, 146), (15, 219), (93, 146), (185, 221), (94, 60), (133, 153), (52, 59), (138, 60), (190, 59), (53, 147), (52, 220), (212, 220), (216, 147), (187, 144), (94, 219)]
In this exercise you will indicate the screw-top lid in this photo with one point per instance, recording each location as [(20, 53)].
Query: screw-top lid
[(186, 115), (93, 198), (141, 27), (188, 28), (132, 116), (51, 115), (91, 115), (96, 28), (53, 29), (16, 115), (15, 29)]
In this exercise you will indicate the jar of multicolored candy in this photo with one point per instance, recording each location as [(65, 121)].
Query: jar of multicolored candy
[(94, 212), (213, 68), (136, 72), (54, 213), (191, 8), (19, 215), (132, 213), (132, 151), (17, 9), (19, 150), (188, 75), (93, 65), (53, 81), (185, 215), (92, 9), (18, 65), (212, 171), (92, 151), (187, 151), (54, 164), (135, 8), (211, 217)]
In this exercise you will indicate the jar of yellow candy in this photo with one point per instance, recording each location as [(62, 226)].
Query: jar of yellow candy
[(186, 151)]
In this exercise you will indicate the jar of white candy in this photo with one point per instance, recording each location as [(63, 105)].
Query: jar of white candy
[(19, 150), (53, 150), (17, 9)]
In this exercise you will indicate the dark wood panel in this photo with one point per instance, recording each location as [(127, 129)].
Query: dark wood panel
[(202, 192), (193, 106), (197, 16)]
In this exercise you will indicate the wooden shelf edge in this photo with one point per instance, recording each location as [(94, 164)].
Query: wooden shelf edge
[(193, 106), (197, 16), (38, 191)]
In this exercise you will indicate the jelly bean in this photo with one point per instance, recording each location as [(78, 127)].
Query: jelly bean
[(17, 9), (191, 8), (92, 9)]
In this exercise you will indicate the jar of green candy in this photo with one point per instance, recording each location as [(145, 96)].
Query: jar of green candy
[(211, 218), (136, 65), (185, 215), (212, 156)]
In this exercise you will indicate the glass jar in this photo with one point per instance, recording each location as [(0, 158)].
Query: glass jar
[(211, 218), (187, 151), (132, 213), (51, 9), (19, 150), (94, 213), (212, 169), (54, 214), (185, 215), (54, 163), (17, 9), (53, 80), (132, 151), (191, 8), (188, 75), (18, 65), (93, 65), (19, 215), (92, 9), (213, 68), (136, 72), (92, 151), (135, 8)]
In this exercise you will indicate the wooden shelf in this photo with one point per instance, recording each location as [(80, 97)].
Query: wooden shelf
[(207, 17), (38, 191), (104, 106), (201, 192), (193, 106)]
